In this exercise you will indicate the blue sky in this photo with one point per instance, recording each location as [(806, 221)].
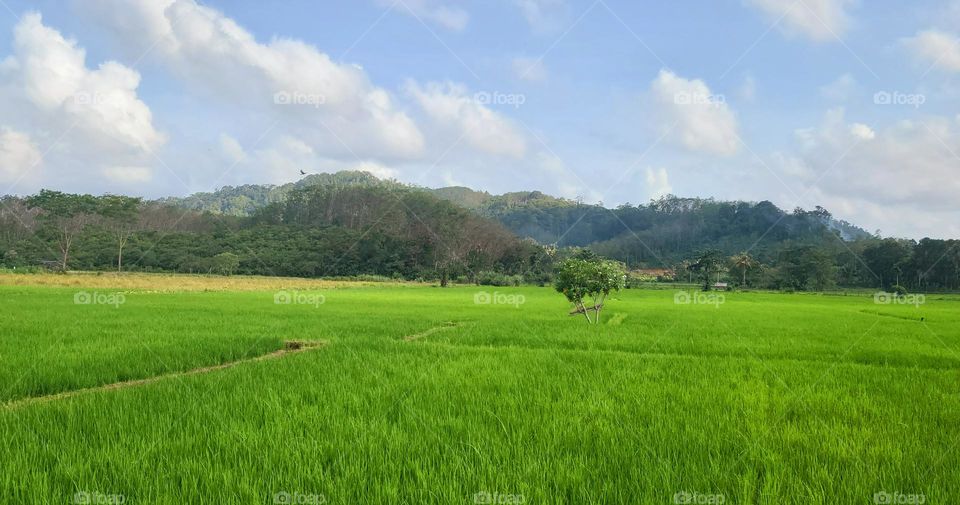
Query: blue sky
[(840, 103)]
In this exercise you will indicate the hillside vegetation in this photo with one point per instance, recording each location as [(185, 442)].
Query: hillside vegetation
[(352, 223)]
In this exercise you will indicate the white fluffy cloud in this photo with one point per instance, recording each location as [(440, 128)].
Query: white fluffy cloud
[(862, 131), (453, 110), (935, 48), (377, 169), (91, 120), (282, 159), (564, 182), (903, 179), (332, 106), (18, 154), (692, 116), (818, 20), (231, 149), (840, 90), (658, 183)]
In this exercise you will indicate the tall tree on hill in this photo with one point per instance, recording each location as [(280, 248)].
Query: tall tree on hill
[(707, 264), (120, 217), (17, 220), (743, 263), (886, 259), (806, 266)]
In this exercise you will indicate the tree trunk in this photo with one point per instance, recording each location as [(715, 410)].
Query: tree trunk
[(65, 249), (582, 307)]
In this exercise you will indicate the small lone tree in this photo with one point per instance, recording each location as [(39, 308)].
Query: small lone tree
[(120, 218), (708, 262), (744, 263), (593, 279), (225, 263)]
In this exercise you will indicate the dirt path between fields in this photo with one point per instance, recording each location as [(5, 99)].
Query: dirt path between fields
[(289, 347), (449, 325)]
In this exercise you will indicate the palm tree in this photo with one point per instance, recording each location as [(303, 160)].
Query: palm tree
[(743, 262)]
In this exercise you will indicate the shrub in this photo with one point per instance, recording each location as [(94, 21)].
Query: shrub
[(487, 278), (579, 279)]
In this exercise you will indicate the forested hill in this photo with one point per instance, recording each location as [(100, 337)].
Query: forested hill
[(313, 231), (242, 201), (665, 230), (351, 224)]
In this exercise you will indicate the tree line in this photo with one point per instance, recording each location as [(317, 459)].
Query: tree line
[(327, 230), (883, 263), (316, 231)]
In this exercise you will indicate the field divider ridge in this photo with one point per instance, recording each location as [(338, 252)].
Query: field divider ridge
[(446, 325), (289, 347)]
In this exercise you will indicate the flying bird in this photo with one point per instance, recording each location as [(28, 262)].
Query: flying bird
[(303, 173)]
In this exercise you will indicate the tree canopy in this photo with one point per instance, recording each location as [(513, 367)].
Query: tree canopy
[(592, 279)]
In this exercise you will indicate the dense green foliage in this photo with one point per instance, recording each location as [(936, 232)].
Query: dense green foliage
[(588, 278), (315, 231), (768, 398), (245, 200), (662, 231), (352, 223)]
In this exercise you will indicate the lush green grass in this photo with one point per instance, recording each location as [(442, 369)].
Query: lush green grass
[(766, 398)]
